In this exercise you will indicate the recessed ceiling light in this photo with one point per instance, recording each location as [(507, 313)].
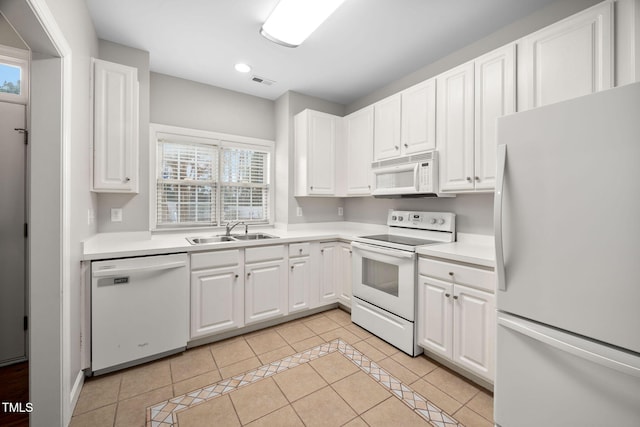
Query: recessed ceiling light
[(292, 21), (242, 68)]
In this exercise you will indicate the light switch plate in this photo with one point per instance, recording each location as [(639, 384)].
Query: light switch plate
[(299, 211), (116, 214), (340, 211)]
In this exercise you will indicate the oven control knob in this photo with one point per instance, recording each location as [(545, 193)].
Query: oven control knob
[(433, 221), (441, 221), (400, 219), (393, 218)]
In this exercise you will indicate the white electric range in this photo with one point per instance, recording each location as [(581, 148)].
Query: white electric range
[(385, 274)]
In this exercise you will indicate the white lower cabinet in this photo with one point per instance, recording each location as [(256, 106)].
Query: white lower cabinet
[(457, 321), (217, 292), (266, 284), (343, 275), (328, 270), (300, 277)]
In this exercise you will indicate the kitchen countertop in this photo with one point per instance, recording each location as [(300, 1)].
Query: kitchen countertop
[(131, 244), (470, 248)]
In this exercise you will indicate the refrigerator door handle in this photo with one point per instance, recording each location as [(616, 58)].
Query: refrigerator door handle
[(538, 333), (497, 216)]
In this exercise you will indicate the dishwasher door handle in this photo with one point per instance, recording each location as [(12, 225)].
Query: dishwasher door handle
[(135, 269)]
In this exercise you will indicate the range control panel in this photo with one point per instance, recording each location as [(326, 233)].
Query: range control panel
[(438, 221)]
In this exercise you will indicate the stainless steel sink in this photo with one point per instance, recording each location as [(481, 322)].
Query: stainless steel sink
[(210, 239), (253, 236)]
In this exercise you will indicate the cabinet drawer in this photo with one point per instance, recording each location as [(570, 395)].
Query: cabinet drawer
[(299, 249), (458, 273), (215, 259), (264, 253)]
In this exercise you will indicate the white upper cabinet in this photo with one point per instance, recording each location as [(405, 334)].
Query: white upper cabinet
[(115, 127), (387, 124), (358, 129), (495, 96), (418, 130), (316, 139), (470, 99), (405, 123), (455, 128), (570, 58)]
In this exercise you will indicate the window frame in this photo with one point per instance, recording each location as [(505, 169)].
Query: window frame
[(222, 140), (17, 58)]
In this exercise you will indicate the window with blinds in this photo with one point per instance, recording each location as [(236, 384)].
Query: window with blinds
[(210, 184)]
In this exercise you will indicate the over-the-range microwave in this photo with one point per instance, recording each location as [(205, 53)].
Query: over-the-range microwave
[(408, 176)]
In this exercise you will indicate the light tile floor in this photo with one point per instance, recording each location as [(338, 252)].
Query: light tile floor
[(298, 395)]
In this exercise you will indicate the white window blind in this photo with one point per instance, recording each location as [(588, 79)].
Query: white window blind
[(244, 185), (187, 183), (209, 184)]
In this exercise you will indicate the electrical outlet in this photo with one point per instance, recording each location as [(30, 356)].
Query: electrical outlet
[(90, 217), (116, 214), (299, 211), (340, 211)]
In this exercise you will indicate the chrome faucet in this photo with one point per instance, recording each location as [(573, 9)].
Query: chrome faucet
[(229, 227)]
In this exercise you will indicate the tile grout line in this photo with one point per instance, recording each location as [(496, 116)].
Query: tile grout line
[(164, 414)]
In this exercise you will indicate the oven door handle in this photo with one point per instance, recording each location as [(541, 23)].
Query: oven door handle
[(384, 251)]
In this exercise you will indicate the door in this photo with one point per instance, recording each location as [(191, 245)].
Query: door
[(265, 291), (13, 242), (571, 58), (567, 229), (217, 300), (385, 277), (419, 118), (547, 377), (455, 128), (386, 135), (299, 283), (473, 330), (359, 134), (495, 96), (328, 271), (322, 148), (435, 316)]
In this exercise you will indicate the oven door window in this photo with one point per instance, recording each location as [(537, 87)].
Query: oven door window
[(380, 275)]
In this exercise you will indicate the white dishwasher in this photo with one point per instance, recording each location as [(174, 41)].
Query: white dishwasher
[(139, 310)]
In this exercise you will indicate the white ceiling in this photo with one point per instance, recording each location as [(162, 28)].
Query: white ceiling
[(363, 46)]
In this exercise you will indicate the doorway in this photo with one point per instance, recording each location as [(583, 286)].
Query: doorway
[(13, 166)]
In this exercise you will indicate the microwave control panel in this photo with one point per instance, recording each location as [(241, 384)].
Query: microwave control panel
[(425, 174), (439, 221)]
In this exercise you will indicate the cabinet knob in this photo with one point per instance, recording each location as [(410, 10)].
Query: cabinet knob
[(477, 179), (300, 250), (292, 268), (468, 179), (127, 179), (311, 187), (350, 251), (406, 145), (455, 297), (369, 187), (451, 273), (248, 274), (397, 148), (237, 276), (321, 251), (447, 295)]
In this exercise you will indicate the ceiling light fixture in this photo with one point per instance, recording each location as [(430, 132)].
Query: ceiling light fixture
[(242, 68), (292, 21)]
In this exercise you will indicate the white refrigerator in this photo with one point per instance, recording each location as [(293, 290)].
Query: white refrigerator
[(567, 227)]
